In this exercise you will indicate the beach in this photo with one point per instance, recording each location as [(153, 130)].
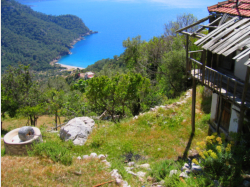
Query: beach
[(69, 67)]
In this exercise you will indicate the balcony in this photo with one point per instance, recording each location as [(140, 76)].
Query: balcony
[(227, 86)]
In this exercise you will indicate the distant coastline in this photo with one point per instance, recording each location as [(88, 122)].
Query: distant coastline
[(55, 61)]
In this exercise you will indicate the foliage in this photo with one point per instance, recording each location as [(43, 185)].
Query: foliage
[(34, 38), (218, 159), (53, 150), (117, 94)]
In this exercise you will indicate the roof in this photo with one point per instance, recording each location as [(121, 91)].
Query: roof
[(230, 7), (231, 36)]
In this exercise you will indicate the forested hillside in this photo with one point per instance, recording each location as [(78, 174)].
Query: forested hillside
[(35, 38)]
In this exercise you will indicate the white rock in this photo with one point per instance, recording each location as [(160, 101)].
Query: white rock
[(125, 184), (118, 182), (101, 157), (185, 167), (93, 155), (114, 173), (108, 165), (145, 166), (132, 173), (141, 174), (84, 157), (184, 175), (131, 164), (159, 149), (79, 158), (128, 168), (136, 117), (77, 130), (196, 168), (173, 172)]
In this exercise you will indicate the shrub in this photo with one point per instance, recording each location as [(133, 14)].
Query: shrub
[(53, 150), (218, 160)]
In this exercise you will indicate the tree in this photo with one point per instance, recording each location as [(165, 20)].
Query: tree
[(182, 21), (118, 94), (20, 94)]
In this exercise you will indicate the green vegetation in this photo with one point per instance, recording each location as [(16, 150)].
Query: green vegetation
[(34, 38)]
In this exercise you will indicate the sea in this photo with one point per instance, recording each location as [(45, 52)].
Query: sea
[(117, 20)]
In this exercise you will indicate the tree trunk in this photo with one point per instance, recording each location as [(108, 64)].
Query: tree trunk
[(56, 120)]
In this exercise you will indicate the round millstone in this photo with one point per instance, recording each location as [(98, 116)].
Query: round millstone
[(26, 133)]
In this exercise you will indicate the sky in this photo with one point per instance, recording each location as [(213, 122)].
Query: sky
[(175, 3)]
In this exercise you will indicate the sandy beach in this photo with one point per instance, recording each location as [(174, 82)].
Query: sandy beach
[(69, 67)]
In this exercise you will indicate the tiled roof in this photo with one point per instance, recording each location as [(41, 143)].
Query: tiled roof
[(230, 7)]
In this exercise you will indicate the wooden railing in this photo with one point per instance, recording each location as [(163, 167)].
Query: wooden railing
[(218, 82)]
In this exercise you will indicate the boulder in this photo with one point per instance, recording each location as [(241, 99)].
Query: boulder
[(77, 130), (26, 133)]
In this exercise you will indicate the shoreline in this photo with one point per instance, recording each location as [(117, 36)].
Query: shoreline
[(55, 61), (69, 67)]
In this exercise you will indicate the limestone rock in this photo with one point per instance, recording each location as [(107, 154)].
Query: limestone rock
[(84, 157), (93, 155), (141, 174), (77, 130), (26, 133), (173, 172), (101, 157), (79, 158), (131, 164), (145, 166), (184, 175)]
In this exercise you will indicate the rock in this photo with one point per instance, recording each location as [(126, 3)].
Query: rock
[(159, 149), (77, 130), (136, 117), (93, 155), (132, 173), (185, 167), (172, 172), (125, 184), (184, 175), (26, 133), (84, 157), (108, 165), (128, 168), (118, 182), (131, 164), (196, 168), (161, 182), (79, 158), (246, 183), (145, 166), (114, 173), (101, 157), (150, 179), (141, 174)]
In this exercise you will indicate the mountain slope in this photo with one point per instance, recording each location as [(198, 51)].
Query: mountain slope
[(34, 38)]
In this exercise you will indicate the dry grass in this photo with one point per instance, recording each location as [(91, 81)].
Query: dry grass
[(32, 171), (156, 136), (12, 123)]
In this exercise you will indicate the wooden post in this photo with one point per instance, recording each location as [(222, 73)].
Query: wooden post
[(187, 60), (193, 104), (242, 107), (220, 114), (203, 65)]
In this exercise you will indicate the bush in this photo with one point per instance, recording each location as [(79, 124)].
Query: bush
[(218, 159), (53, 150)]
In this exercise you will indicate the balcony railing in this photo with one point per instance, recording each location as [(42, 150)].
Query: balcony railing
[(222, 84)]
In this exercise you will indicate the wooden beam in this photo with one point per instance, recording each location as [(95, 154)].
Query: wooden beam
[(196, 23), (191, 34), (203, 65), (187, 60), (242, 107), (209, 24), (193, 104), (220, 114)]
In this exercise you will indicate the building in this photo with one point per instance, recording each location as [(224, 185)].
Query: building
[(223, 64)]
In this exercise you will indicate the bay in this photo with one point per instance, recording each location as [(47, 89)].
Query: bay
[(115, 21)]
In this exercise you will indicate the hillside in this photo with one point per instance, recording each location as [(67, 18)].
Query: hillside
[(35, 38)]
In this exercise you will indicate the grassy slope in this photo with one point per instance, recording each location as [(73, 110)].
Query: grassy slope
[(156, 136)]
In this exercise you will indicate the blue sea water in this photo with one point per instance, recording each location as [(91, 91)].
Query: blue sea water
[(115, 21)]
